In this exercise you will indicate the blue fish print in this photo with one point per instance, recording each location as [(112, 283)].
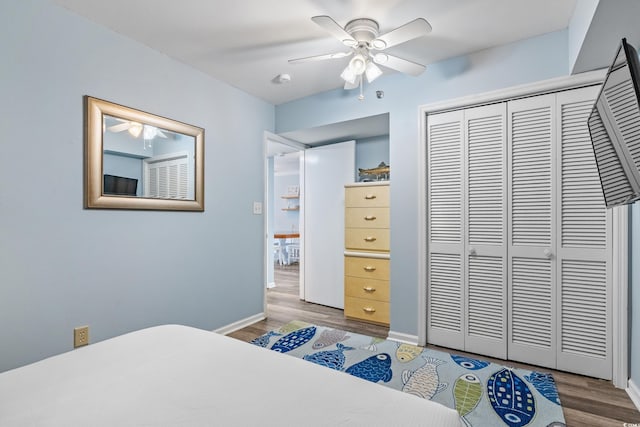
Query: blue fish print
[(294, 339), (545, 385), (263, 341), (333, 359), (469, 363), (375, 368), (511, 398)]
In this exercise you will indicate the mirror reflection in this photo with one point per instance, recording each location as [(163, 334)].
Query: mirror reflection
[(137, 160), (145, 161)]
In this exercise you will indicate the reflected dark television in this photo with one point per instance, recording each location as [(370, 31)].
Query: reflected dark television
[(120, 185), (614, 126)]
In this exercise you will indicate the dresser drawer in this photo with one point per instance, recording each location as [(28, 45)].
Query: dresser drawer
[(369, 268), (366, 218), (368, 239), (365, 309), (369, 196), (360, 287)]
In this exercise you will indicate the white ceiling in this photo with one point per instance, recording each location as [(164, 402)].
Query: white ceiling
[(247, 43)]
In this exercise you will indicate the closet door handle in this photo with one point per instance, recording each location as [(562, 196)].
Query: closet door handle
[(472, 251), (370, 239), (369, 268), (370, 197), (368, 289), (368, 309), (369, 218), (547, 253)]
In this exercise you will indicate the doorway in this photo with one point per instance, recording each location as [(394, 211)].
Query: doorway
[(286, 199), (282, 164), (370, 135)]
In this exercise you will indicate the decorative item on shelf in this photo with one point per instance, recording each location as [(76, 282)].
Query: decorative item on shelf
[(293, 194), (380, 173)]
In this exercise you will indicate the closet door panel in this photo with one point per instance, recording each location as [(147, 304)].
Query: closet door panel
[(445, 230), (532, 306), (485, 247), (584, 297)]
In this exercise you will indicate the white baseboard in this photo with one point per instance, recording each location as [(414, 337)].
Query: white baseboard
[(634, 393), (243, 323), (403, 338)]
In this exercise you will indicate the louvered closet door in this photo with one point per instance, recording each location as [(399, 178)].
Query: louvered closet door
[(445, 230), (532, 282), (584, 267), (486, 246)]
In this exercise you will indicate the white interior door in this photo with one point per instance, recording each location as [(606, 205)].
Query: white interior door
[(584, 236), (445, 230), (485, 132), (532, 239), (326, 170)]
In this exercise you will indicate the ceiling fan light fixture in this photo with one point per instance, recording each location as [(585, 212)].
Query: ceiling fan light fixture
[(358, 64), (350, 42), (149, 132), (380, 58), (378, 44), (372, 72), (348, 75), (135, 129)]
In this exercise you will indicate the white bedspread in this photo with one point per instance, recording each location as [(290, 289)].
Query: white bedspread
[(180, 376)]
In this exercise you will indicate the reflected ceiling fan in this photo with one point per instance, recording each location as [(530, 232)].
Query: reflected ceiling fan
[(136, 129), (367, 48)]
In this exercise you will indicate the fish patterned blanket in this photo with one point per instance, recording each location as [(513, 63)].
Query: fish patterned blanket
[(483, 393)]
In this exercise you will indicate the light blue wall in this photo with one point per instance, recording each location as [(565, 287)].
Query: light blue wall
[(371, 151), (63, 266), (526, 61), (634, 262), (579, 26)]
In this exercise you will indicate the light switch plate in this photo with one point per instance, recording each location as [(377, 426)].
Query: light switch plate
[(257, 208)]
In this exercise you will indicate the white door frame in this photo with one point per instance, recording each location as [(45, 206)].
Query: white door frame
[(620, 303), (270, 138)]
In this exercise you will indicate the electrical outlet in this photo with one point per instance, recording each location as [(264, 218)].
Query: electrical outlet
[(80, 336)]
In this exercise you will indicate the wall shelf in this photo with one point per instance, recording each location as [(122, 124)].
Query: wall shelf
[(297, 208), (290, 197)]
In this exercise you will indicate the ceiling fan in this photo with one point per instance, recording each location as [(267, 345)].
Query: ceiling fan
[(136, 129), (367, 47)]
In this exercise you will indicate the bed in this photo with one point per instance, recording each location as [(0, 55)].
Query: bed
[(175, 375)]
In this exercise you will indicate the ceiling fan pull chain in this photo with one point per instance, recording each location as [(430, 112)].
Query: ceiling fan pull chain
[(361, 96)]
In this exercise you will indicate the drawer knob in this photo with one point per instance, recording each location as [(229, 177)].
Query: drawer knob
[(370, 239), (369, 218), (369, 268), (369, 289), (370, 197), (369, 309)]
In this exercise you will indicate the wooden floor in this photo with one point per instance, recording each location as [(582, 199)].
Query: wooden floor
[(586, 401)]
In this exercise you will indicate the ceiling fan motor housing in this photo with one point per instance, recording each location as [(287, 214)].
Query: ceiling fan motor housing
[(363, 30)]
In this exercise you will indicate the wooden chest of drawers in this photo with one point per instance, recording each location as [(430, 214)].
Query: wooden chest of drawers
[(366, 268)]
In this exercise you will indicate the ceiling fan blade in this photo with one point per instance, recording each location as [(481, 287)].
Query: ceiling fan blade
[(320, 57), (399, 64), (417, 28), (354, 85), (333, 28), (120, 127)]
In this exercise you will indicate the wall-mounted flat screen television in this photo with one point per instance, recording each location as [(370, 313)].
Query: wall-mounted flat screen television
[(119, 185), (614, 125)]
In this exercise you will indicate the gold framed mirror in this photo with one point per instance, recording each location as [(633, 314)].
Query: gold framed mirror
[(137, 160)]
